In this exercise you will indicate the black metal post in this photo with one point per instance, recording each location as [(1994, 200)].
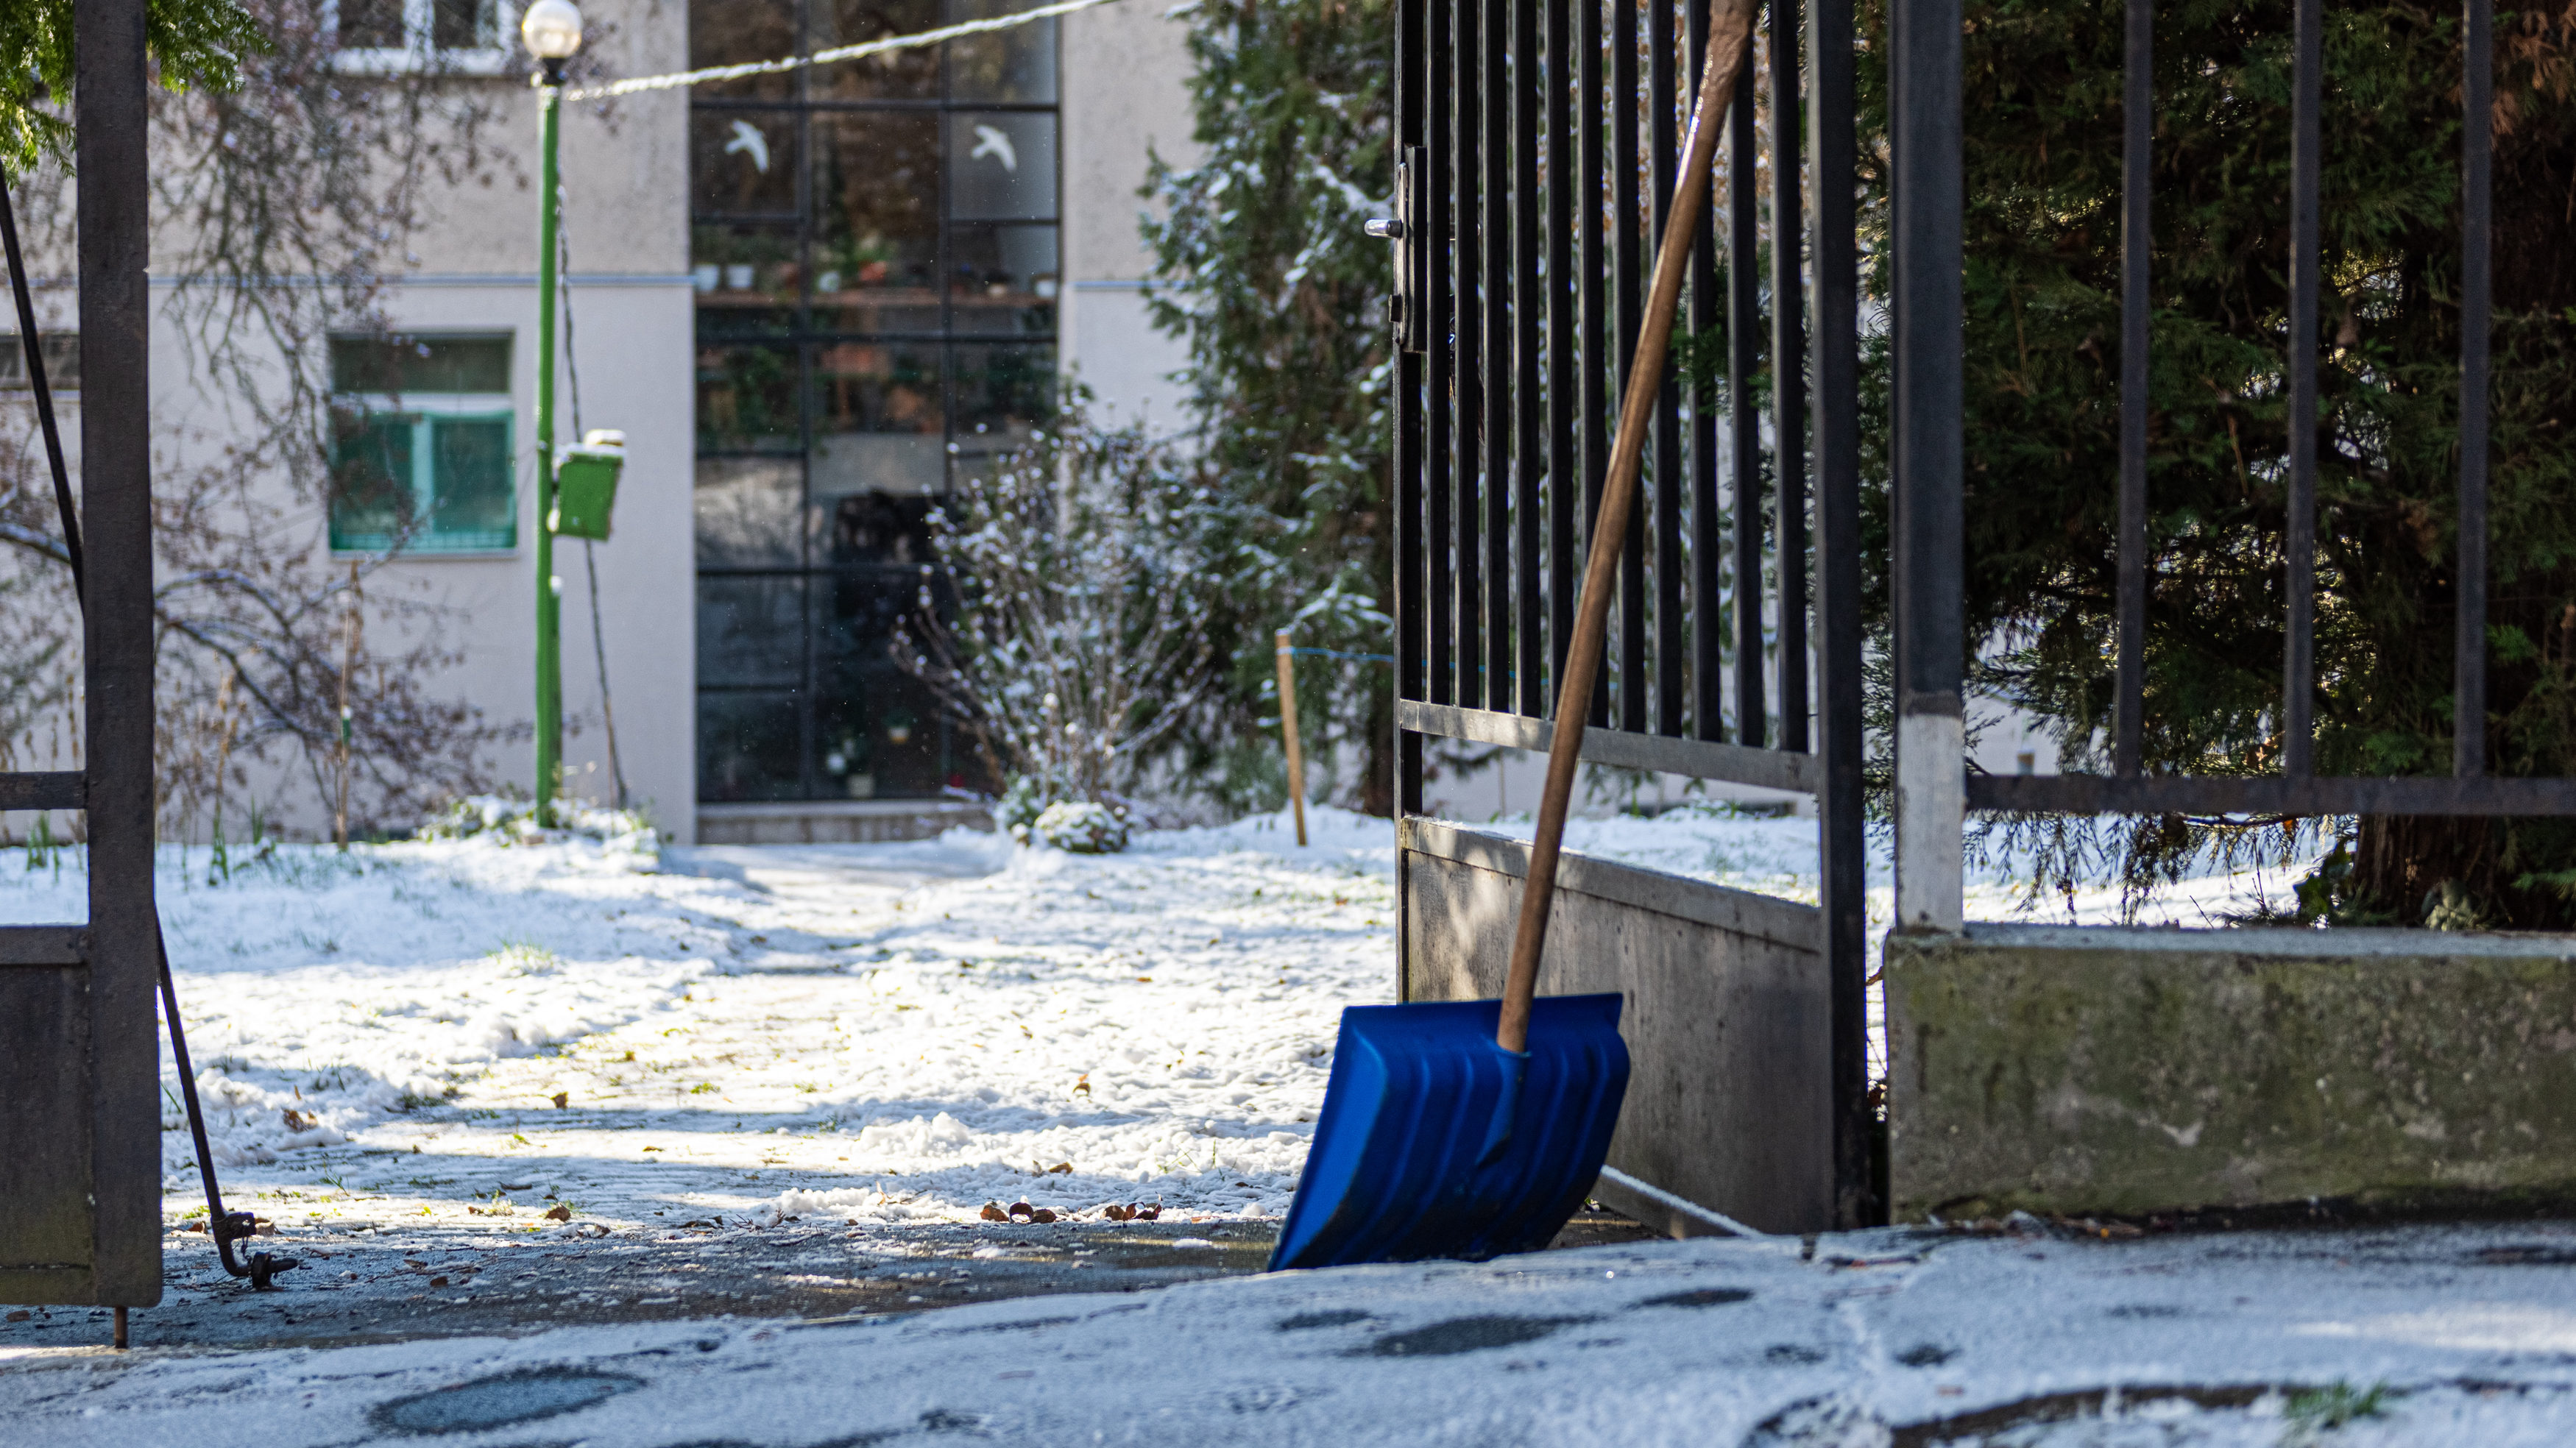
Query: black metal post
[(1788, 380), (1627, 118), (1466, 138), (1834, 369), (1708, 530), (1564, 448), (1671, 636), (1500, 415), (2137, 124), (2469, 683), (1411, 542), (1744, 452), (1440, 363), (1927, 311), (1528, 416), (2298, 663), (114, 219), (1599, 371)]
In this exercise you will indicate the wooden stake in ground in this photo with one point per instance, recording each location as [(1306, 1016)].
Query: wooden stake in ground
[(1288, 730)]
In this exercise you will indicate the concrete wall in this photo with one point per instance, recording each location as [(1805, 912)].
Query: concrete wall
[(2059, 1069), (1725, 1013)]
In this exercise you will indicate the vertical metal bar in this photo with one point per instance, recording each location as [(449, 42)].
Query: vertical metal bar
[(116, 523), (1627, 104), (1927, 310), (1440, 361), (1788, 378), (2137, 125), (1671, 633), (1834, 369), (1744, 439), (1411, 543), (1466, 97), (1501, 415), (2298, 658), (1708, 534), (2469, 684), (1564, 454), (1593, 276), (1528, 414)]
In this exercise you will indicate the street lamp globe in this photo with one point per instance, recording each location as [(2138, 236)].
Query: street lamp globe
[(551, 29)]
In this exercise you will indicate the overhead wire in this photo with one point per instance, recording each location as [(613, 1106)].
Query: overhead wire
[(677, 79)]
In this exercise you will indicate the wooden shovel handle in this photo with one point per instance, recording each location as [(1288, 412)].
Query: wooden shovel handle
[(1718, 78)]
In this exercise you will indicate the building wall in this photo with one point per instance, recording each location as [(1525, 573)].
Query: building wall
[(472, 269), (1126, 100), (633, 337)]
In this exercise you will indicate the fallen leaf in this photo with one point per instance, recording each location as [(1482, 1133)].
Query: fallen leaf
[(559, 1214), (296, 1120), (993, 1212)]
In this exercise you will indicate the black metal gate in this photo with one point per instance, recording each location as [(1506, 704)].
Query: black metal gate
[(80, 1120), (1538, 147)]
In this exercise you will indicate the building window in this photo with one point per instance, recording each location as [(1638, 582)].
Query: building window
[(61, 351), (378, 37), (875, 252), (421, 445)]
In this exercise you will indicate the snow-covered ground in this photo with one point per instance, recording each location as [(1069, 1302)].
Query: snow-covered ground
[(878, 1040), (882, 1033), (2459, 1335)]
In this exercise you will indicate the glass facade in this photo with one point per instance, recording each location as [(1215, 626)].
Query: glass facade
[(874, 249)]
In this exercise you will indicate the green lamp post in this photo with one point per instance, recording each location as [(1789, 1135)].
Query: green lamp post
[(552, 32)]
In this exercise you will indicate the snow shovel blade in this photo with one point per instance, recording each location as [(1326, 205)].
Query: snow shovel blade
[(1436, 1142)]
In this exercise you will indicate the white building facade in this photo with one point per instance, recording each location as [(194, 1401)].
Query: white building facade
[(812, 302)]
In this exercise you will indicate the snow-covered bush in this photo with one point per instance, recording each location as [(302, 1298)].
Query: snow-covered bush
[(508, 819), (1078, 827), (1079, 579), (1020, 806)]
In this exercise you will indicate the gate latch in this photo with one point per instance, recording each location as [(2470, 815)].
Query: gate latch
[(1408, 309)]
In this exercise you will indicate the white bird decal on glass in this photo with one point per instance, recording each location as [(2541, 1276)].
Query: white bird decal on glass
[(990, 142), (747, 137)]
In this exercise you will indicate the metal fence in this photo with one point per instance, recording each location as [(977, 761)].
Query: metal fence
[(1926, 313), (1535, 164)]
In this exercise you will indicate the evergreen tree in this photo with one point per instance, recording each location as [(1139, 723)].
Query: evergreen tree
[(1282, 300)]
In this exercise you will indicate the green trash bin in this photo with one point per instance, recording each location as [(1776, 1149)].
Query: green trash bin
[(586, 485)]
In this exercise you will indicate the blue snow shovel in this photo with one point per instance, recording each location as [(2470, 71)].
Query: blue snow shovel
[(1472, 1128)]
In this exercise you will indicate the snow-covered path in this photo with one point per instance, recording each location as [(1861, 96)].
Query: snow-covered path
[(880, 1033)]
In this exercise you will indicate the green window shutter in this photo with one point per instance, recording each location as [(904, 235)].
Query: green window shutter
[(472, 503), (371, 480)]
